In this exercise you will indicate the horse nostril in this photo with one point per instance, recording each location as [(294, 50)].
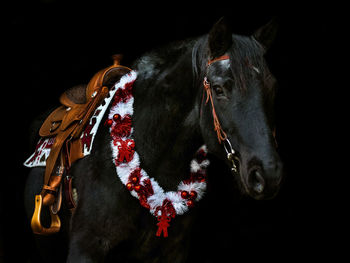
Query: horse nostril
[(256, 181)]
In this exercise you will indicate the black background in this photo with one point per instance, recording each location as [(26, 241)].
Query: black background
[(51, 45)]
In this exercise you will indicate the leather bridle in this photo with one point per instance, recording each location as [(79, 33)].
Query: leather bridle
[(221, 134)]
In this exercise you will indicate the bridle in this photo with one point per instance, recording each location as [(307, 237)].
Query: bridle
[(221, 135)]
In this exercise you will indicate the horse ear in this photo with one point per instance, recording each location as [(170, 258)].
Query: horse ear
[(266, 34), (219, 39)]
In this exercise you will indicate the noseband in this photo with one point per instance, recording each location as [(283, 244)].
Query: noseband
[(221, 135)]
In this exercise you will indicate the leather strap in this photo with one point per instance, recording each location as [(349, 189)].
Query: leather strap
[(224, 57), (217, 126), (52, 182), (68, 190), (56, 206), (49, 188), (63, 139)]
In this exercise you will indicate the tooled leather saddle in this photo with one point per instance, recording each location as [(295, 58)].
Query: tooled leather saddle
[(66, 125)]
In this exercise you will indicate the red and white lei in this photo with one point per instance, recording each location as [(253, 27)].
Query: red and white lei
[(163, 205)]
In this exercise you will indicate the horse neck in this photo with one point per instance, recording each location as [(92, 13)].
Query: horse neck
[(166, 127)]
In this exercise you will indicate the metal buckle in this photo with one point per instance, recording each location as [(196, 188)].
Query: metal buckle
[(230, 154), (206, 82)]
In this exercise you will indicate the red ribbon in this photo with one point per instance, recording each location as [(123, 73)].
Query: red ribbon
[(163, 225), (167, 212), (126, 150)]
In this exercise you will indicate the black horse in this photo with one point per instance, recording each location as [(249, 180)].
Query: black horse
[(171, 121)]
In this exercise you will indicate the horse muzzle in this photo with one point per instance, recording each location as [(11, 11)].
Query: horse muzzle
[(260, 179), (264, 183)]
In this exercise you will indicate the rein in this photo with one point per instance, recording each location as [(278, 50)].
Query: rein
[(221, 135)]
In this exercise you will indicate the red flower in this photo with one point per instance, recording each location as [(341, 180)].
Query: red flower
[(143, 191), (123, 94), (122, 127), (135, 176), (199, 176)]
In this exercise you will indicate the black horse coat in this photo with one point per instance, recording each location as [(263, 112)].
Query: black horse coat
[(171, 121)]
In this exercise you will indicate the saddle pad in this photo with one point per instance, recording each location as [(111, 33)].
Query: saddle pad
[(43, 147)]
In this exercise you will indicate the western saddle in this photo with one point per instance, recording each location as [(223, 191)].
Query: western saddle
[(66, 124)]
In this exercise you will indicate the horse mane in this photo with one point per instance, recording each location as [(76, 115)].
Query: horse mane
[(154, 62), (244, 53), (164, 99)]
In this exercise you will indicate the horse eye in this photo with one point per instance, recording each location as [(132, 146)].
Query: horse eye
[(218, 90)]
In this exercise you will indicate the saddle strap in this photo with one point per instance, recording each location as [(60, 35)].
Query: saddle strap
[(54, 198), (70, 154), (52, 182), (56, 207), (68, 190)]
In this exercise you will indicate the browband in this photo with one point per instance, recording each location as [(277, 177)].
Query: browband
[(224, 57)]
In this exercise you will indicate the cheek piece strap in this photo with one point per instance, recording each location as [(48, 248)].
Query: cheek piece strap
[(221, 135), (217, 127)]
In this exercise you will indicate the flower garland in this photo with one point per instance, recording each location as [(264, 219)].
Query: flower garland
[(163, 205)]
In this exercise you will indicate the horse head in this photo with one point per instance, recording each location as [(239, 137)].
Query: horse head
[(236, 107)]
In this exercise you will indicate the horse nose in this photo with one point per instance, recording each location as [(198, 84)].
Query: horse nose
[(256, 181), (264, 181)]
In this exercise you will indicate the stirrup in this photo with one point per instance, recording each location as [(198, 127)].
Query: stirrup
[(36, 224)]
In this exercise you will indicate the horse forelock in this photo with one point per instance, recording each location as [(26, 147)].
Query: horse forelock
[(246, 56)]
